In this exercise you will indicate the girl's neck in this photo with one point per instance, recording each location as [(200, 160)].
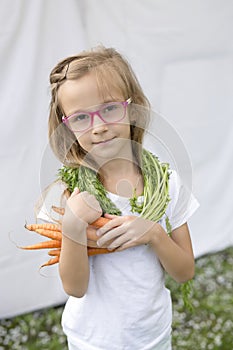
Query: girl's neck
[(122, 177)]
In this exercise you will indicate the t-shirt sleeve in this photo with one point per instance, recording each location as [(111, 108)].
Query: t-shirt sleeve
[(51, 196), (182, 204)]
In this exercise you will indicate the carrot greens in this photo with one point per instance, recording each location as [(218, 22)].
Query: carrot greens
[(156, 192)]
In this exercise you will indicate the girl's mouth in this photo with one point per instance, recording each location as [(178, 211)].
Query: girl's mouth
[(103, 141)]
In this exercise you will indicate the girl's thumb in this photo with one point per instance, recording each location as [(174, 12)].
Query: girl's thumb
[(76, 191)]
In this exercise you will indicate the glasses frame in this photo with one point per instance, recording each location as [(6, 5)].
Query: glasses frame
[(65, 119)]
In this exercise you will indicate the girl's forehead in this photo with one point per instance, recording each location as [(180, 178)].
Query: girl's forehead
[(87, 91)]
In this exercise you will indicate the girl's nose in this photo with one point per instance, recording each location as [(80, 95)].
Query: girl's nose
[(98, 125)]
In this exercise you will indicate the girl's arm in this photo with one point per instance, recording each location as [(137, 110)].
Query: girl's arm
[(175, 253), (81, 209), (74, 267)]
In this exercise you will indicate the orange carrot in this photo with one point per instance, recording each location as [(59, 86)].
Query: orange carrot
[(90, 252), (50, 234), (51, 262), (67, 193), (53, 231), (96, 251), (58, 210), (49, 226), (54, 252), (43, 245), (91, 230), (100, 222)]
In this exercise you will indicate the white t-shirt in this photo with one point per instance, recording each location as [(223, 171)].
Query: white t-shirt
[(126, 305)]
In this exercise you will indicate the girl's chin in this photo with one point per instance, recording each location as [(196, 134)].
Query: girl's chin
[(99, 153)]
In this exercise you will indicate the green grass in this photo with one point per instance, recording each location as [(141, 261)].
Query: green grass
[(209, 326)]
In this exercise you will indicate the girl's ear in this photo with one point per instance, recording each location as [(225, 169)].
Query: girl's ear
[(133, 115), (132, 118)]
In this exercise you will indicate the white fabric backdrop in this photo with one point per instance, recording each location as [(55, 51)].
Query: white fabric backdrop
[(182, 52)]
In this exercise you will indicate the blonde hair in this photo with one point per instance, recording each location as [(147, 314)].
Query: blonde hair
[(112, 72)]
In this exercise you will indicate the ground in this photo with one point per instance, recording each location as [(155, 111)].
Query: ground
[(208, 326)]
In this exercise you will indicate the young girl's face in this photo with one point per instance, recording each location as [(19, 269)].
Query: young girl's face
[(101, 140)]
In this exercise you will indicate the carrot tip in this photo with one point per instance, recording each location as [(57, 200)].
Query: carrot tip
[(25, 225)]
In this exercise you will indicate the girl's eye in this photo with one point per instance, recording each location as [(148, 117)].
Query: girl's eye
[(80, 117), (110, 108)]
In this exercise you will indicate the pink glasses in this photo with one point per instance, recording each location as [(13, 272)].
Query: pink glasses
[(112, 112)]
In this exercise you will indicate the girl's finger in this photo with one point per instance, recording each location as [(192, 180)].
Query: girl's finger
[(110, 235), (120, 242), (75, 191), (110, 216), (113, 223), (127, 245)]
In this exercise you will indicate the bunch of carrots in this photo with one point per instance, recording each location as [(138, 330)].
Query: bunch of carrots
[(53, 231)]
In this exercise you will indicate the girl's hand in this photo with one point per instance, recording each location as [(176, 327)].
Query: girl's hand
[(124, 232), (81, 209), (84, 206)]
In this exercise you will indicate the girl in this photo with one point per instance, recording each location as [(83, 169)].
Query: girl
[(117, 301)]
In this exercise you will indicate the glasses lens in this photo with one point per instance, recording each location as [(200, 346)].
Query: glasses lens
[(79, 122), (112, 112)]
